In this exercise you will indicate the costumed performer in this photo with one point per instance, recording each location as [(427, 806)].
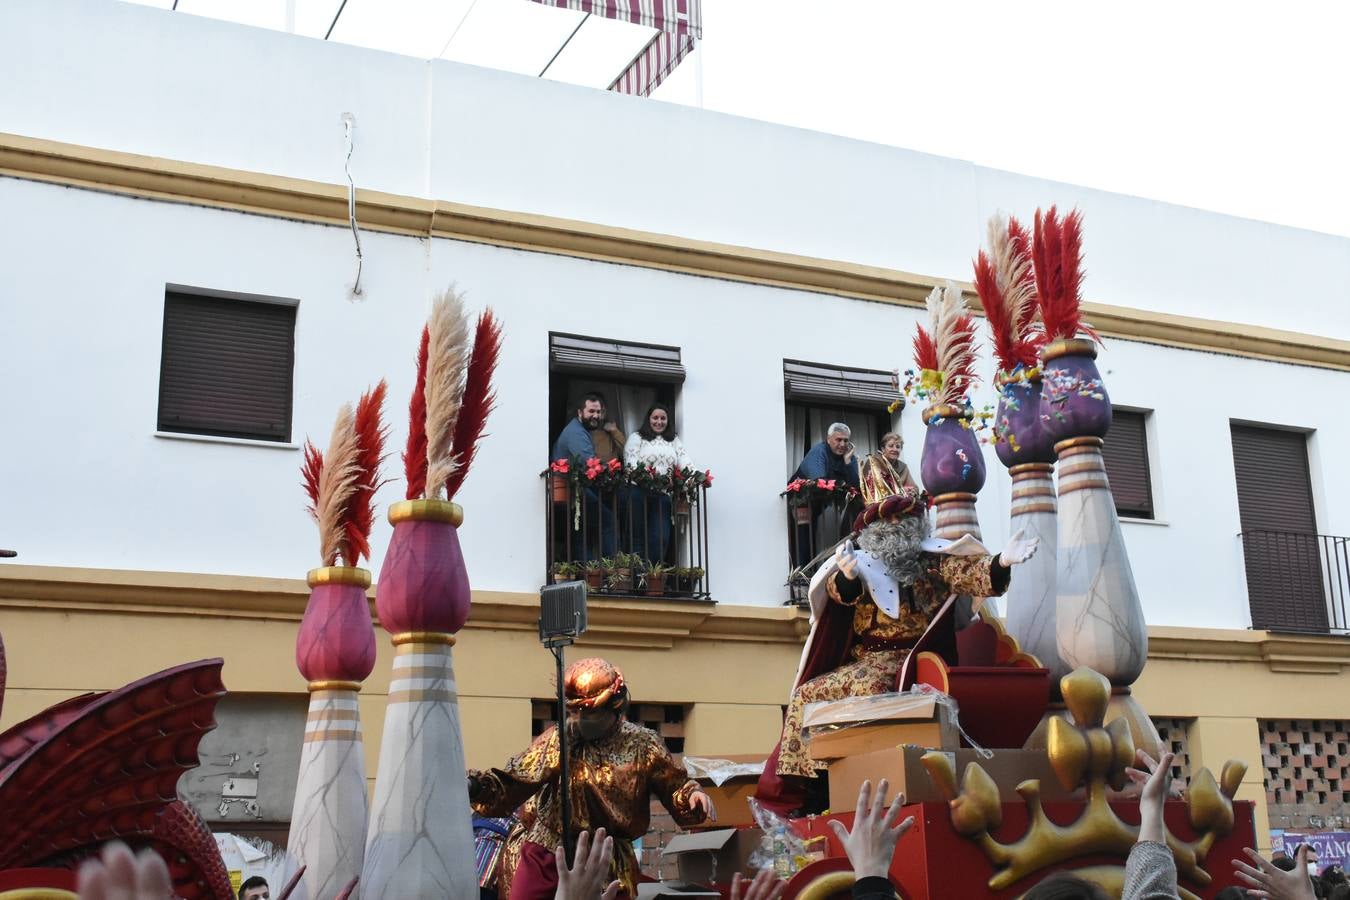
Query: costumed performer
[(883, 472), (870, 609), (616, 767)]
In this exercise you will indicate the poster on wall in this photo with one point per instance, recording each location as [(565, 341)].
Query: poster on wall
[(1333, 847)]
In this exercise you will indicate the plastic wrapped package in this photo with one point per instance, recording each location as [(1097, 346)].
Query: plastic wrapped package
[(720, 771)]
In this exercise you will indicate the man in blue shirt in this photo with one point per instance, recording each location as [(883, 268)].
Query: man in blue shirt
[(575, 441), (834, 460)]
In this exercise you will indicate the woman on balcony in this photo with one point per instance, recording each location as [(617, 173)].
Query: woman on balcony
[(657, 445), (884, 472)]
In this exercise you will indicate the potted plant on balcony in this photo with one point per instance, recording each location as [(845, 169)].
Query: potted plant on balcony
[(621, 578), (693, 575), (597, 571), (567, 571), (561, 474), (655, 577), (684, 487)]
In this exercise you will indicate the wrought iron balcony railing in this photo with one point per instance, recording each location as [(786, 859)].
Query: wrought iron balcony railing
[(624, 540), (1297, 582)]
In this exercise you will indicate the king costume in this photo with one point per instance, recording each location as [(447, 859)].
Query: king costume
[(900, 598), (613, 776)]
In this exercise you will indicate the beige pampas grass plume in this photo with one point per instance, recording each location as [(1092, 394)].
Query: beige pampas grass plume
[(447, 358), (953, 332), (337, 483)]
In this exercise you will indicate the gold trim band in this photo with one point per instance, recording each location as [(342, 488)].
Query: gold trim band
[(1087, 485), (332, 734), (946, 411), (421, 695), (1086, 441), (953, 497), (426, 511), (1071, 346), (334, 685), (423, 637), (1037, 468), (1081, 469), (339, 575), (1019, 509)]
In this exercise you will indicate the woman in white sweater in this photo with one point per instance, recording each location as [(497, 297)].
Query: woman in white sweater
[(657, 445)]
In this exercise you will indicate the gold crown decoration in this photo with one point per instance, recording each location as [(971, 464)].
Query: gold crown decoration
[(1081, 755)]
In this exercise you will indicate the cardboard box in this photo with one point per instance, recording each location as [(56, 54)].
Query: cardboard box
[(924, 724), (731, 797), (707, 857), (901, 767)]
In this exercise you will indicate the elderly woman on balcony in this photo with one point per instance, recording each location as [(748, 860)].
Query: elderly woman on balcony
[(657, 445)]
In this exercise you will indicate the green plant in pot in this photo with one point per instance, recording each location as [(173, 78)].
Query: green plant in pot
[(656, 577), (622, 577), (596, 572), (566, 571), (693, 575)]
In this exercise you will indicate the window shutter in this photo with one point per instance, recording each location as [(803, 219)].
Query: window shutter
[(821, 385), (1280, 545), (618, 360), (226, 367), (1126, 456)]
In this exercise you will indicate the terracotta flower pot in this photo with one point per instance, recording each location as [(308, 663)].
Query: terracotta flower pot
[(656, 585), (623, 580), (801, 514), (595, 579), (681, 507), (560, 489)]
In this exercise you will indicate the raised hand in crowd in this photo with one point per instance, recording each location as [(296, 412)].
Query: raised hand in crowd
[(118, 875), (847, 560), (870, 844), (1156, 777), (586, 878), (764, 886), (1267, 880)]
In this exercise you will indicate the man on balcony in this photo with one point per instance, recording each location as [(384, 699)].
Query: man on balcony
[(576, 441), (832, 459)]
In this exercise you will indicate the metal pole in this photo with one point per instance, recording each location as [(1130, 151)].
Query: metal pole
[(564, 783)]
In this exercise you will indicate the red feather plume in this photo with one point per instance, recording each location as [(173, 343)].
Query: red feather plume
[(479, 398), (996, 311), (925, 351), (371, 433), (961, 376), (415, 456), (310, 471), (1057, 252)]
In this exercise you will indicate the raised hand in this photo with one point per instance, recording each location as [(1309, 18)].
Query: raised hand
[(1268, 881), (700, 800), (1155, 776), (847, 560), (120, 876), (1019, 549), (764, 886), (585, 880), (871, 844)]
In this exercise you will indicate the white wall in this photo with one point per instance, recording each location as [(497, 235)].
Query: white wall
[(82, 278), (92, 486), (123, 77)]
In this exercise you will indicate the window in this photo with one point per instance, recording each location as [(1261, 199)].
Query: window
[(1126, 457), (1284, 556), (630, 376), (817, 395), (226, 366)]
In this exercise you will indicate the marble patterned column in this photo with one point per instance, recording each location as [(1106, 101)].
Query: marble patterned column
[(1031, 596), (421, 835), (335, 651)]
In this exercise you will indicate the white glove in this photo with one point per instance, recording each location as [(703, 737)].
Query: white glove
[(1019, 549), (847, 560)]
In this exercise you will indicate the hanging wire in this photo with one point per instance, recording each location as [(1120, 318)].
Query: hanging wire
[(349, 123)]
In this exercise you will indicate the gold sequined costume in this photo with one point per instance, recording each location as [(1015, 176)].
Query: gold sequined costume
[(880, 644), (612, 781)]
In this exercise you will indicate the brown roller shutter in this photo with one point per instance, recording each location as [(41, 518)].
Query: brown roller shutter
[(226, 367), (620, 360), (1279, 529), (1126, 457), (822, 385)]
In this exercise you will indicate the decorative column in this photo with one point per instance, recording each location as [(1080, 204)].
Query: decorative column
[(1027, 449), (335, 651), (1099, 620), (421, 839)]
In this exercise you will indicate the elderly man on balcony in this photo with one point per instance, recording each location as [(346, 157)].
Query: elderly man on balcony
[(833, 459)]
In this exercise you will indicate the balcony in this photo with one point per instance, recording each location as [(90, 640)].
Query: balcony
[(627, 539), (1297, 582), (817, 519)]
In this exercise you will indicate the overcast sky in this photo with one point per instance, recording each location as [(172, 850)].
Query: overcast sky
[(1239, 107)]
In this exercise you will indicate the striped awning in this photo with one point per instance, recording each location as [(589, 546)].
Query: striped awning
[(679, 25)]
